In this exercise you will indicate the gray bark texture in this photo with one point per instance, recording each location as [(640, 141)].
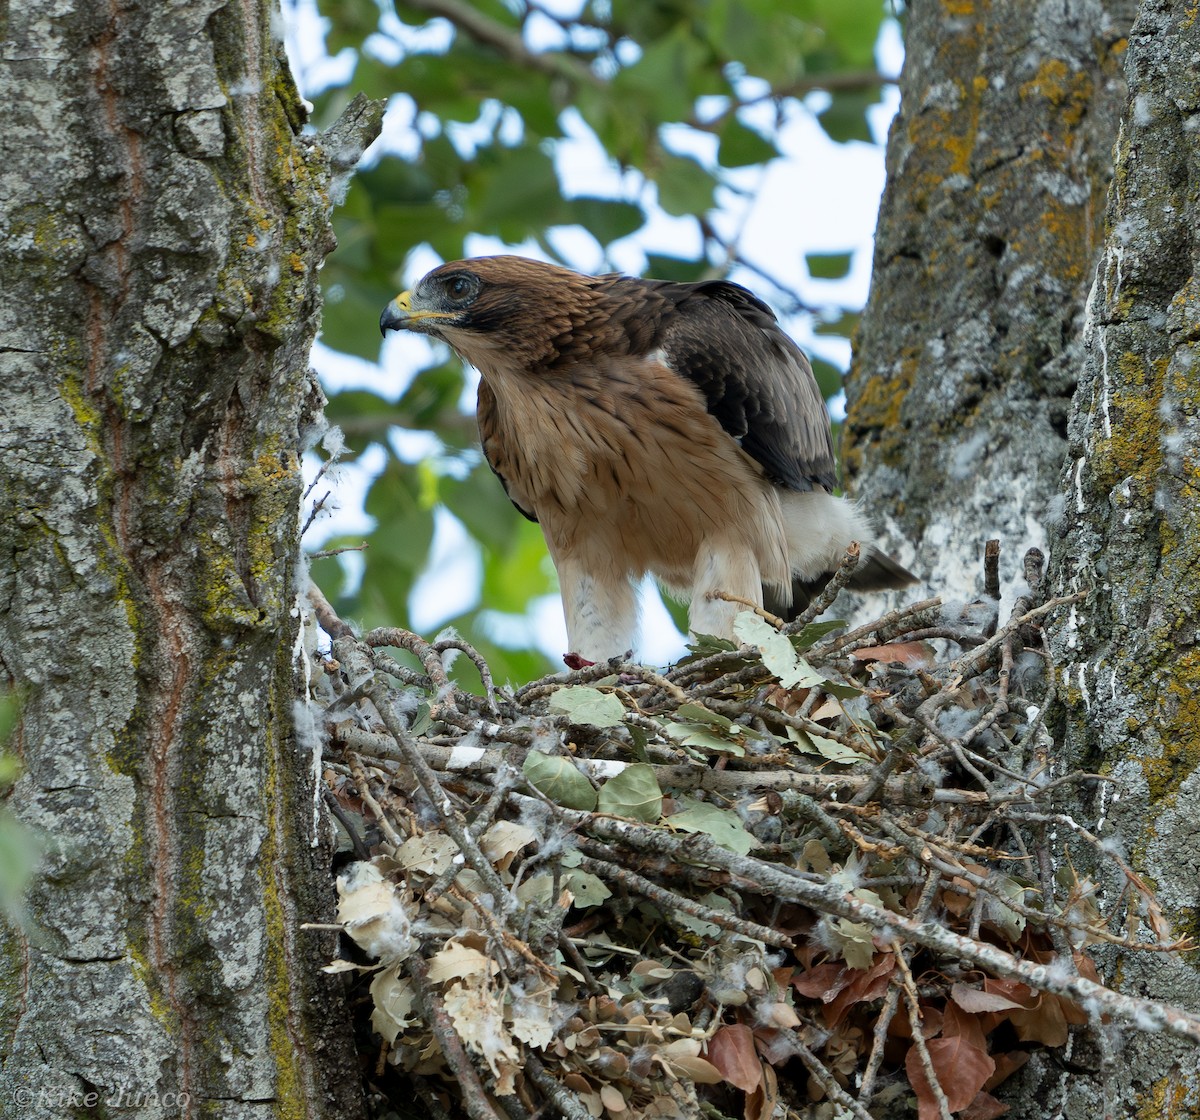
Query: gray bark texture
[(967, 356), (164, 222), (1128, 658)]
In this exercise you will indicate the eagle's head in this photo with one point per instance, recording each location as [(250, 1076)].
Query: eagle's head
[(524, 310), (492, 301)]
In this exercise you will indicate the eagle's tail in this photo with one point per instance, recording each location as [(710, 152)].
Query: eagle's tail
[(876, 571)]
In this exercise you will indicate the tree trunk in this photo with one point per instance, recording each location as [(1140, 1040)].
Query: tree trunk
[(968, 353), (1129, 656), (975, 334), (164, 226)]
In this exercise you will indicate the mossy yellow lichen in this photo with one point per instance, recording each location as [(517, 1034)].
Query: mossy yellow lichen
[(1167, 1099), (878, 407), (1177, 722), (160, 1006), (1068, 242), (1133, 450), (289, 1089), (1066, 90)]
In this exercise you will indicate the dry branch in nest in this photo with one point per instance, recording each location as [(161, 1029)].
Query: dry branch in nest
[(829, 870)]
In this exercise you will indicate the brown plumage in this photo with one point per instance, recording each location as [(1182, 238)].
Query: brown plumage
[(648, 426)]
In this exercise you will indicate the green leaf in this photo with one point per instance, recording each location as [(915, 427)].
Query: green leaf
[(514, 193), (684, 187), (702, 645), (706, 730), (828, 266), (512, 578), (723, 825), (1003, 917), (352, 314), (587, 888), (422, 719), (432, 397), (710, 931), (814, 632), (479, 503), (846, 117), (350, 22), (702, 737), (588, 707), (664, 81), (829, 377), (557, 778), (10, 713), (840, 690), (741, 145), (675, 268), (831, 749), (853, 940), (849, 30), (842, 324), (605, 219), (778, 653), (633, 793), (700, 713)]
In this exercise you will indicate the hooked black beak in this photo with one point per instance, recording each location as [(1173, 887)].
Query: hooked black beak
[(400, 315)]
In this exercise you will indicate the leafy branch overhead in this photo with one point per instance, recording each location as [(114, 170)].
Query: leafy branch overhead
[(826, 865)]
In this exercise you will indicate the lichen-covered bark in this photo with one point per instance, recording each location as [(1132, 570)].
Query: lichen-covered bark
[(966, 359), (1128, 658), (164, 222)]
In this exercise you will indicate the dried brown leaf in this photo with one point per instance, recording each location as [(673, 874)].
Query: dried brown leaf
[(1046, 1022), (823, 981), (732, 1051), (761, 1104), (905, 653), (1007, 1063), (977, 1000), (960, 1068), (984, 1107)]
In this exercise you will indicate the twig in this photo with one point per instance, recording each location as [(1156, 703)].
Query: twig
[(821, 1075), (673, 901), (828, 899), (474, 1095), (428, 780), (567, 1103), (364, 791), (327, 617), (476, 659), (356, 841), (508, 42), (866, 1089), (825, 597), (991, 569), (416, 645), (918, 1037)]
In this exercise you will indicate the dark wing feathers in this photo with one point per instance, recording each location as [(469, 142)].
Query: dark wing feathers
[(758, 384)]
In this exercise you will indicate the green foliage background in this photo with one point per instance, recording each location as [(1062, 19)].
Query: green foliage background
[(636, 72)]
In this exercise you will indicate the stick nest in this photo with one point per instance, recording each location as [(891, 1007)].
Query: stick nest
[(828, 871)]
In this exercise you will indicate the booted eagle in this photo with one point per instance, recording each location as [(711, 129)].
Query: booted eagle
[(649, 426)]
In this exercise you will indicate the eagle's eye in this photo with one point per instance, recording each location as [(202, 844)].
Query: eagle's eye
[(458, 287)]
